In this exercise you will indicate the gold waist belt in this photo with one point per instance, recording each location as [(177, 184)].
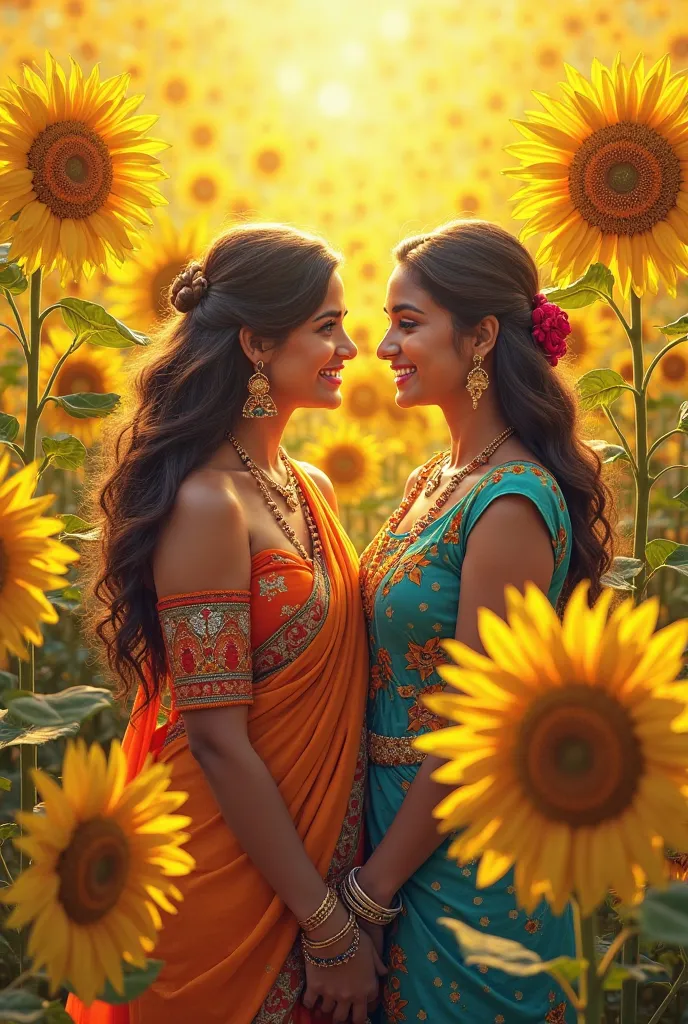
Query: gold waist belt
[(391, 750)]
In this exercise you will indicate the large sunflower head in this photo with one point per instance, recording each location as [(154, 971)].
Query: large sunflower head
[(77, 168), (138, 291), (605, 174), (31, 561), (571, 748), (351, 459), (89, 369), (103, 855)]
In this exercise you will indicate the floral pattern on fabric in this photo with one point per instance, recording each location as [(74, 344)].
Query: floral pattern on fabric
[(411, 569), (425, 658), (380, 672), (208, 644), (297, 632)]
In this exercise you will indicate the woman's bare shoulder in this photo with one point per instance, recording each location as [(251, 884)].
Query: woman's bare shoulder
[(204, 545)]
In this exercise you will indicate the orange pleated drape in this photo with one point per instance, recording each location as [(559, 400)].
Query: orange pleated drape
[(226, 948)]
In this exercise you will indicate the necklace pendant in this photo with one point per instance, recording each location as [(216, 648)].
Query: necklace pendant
[(292, 502), (432, 485)]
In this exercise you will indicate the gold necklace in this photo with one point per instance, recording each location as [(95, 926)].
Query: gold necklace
[(289, 491), (276, 512), (374, 572)]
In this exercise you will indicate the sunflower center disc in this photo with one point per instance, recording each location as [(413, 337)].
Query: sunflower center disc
[(4, 566), (622, 178), (363, 401), (72, 169), (93, 870), (577, 756), (625, 178), (76, 378), (674, 367), (346, 465)]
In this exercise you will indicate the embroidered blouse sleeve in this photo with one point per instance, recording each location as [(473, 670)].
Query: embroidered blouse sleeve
[(208, 644), (528, 480)]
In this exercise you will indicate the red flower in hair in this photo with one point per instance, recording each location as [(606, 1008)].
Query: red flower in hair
[(551, 327)]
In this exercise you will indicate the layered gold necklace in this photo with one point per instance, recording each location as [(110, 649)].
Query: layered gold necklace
[(376, 568), (292, 494)]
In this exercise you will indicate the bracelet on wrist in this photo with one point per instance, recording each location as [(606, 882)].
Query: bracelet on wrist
[(324, 911), (350, 925), (334, 961), (363, 906)]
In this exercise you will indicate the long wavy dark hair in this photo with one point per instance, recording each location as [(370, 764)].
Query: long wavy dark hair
[(475, 269), (191, 391)]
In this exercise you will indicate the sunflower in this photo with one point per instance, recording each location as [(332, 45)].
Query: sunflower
[(102, 858), (138, 291), (30, 560), (672, 371), (351, 459), (269, 156), (471, 200), (571, 748), (77, 168), (89, 369), (605, 172), (204, 185), (367, 386)]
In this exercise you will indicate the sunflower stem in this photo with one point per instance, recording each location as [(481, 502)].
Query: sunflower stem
[(56, 369), (673, 991), (591, 985), (27, 669), (20, 326), (660, 440), (629, 988), (643, 480), (653, 365)]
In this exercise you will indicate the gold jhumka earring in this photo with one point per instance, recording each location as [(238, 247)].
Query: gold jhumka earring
[(477, 380), (259, 402)]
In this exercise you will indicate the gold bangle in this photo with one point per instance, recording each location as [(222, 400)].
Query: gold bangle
[(320, 915), (322, 943), (359, 901)]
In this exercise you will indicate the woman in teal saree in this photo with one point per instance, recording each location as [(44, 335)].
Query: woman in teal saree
[(515, 497)]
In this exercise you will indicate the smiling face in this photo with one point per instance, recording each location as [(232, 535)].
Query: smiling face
[(305, 371), (430, 366)]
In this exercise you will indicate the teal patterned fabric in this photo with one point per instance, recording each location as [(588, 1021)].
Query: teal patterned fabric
[(413, 608)]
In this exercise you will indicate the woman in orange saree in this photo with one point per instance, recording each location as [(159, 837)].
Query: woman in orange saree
[(291, 648)]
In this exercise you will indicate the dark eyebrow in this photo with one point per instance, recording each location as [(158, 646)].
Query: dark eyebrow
[(330, 313), (405, 305)]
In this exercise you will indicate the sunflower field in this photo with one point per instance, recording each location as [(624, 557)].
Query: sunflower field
[(129, 137)]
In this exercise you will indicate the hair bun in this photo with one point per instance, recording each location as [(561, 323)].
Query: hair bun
[(188, 288)]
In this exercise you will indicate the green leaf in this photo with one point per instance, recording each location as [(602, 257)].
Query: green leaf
[(87, 404), (12, 277), (618, 973), (91, 323), (7, 680), (136, 981), (658, 550), (15, 734), (682, 496), (64, 451), (683, 418), (622, 573), (76, 528), (608, 452), (599, 388), (9, 830), (21, 1007), (663, 914), (597, 283), (75, 704), (9, 427), (55, 1013), (67, 600), (676, 328), (506, 955), (5, 784)]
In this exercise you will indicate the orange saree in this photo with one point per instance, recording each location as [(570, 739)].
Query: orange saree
[(232, 953)]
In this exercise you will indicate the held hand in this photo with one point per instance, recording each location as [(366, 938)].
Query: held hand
[(346, 990), (377, 935)]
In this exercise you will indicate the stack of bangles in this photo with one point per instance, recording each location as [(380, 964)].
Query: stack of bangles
[(312, 947), (361, 904)]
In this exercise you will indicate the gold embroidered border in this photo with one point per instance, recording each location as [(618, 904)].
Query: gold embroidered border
[(392, 750)]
